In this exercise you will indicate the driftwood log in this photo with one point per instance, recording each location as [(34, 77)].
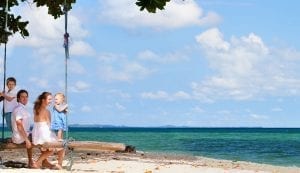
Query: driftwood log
[(75, 145)]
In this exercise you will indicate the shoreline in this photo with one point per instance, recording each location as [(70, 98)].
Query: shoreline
[(143, 162), (189, 156)]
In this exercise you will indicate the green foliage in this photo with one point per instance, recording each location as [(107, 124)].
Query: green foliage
[(151, 5), (55, 6), (56, 9), (15, 23)]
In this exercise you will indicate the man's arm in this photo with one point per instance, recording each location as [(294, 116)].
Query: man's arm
[(23, 133)]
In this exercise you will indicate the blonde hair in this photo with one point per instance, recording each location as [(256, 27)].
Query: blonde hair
[(61, 95)]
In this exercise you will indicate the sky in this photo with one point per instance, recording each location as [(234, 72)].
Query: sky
[(198, 63)]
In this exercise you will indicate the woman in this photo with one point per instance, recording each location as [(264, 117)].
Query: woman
[(41, 132)]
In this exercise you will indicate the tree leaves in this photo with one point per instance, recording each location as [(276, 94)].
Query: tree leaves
[(56, 9), (15, 23), (151, 5)]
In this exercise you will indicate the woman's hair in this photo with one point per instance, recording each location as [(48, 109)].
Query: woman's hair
[(38, 102)]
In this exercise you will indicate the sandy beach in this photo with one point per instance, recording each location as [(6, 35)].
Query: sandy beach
[(107, 162)]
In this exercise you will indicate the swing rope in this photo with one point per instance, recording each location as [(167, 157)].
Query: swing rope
[(4, 64), (66, 46)]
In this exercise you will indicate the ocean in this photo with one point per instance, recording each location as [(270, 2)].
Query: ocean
[(275, 146)]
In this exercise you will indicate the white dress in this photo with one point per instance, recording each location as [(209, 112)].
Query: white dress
[(41, 133)]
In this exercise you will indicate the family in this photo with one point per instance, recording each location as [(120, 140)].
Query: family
[(48, 125)]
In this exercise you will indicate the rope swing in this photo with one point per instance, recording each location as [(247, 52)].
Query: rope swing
[(4, 63), (68, 143), (66, 46), (67, 56)]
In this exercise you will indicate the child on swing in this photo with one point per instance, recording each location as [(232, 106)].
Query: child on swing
[(59, 112), (10, 100)]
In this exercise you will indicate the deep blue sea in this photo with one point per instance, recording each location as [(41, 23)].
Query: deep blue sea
[(276, 146)]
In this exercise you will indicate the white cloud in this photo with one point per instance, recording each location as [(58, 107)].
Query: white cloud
[(158, 95), (119, 106), (129, 72), (76, 28), (48, 32), (177, 14), (163, 95), (245, 68), (111, 57), (75, 67), (41, 83), (115, 67), (258, 117), (81, 48), (197, 109), (277, 109), (224, 112), (237, 57), (42, 32), (110, 74), (80, 86), (119, 93), (86, 109), (212, 39), (45, 55), (148, 55), (181, 95), (288, 54)]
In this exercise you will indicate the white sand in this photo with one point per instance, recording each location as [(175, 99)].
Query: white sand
[(148, 163)]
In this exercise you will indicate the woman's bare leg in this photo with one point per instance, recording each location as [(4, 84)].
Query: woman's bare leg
[(60, 157), (44, 155)]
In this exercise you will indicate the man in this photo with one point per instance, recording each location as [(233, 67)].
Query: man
[(20, 122)]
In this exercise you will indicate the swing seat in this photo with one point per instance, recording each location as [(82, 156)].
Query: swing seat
[(8, 144), (73, 145)]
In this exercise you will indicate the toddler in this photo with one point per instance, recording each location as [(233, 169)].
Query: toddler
[(59, 112)]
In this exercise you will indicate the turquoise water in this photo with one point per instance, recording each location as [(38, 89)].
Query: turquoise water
[(276, 146)]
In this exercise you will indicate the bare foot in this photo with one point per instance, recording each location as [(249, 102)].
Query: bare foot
[(33, 165), (47, 164), (56, 167)]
